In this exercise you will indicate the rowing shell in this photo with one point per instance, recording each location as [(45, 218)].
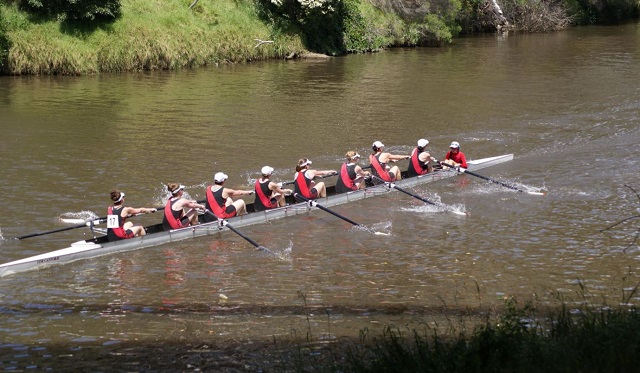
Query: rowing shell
[(156, 236)]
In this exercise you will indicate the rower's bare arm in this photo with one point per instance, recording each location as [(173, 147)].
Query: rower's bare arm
[(361, 172), (193, 205), (238, 193), (396, 157), (274, 187)]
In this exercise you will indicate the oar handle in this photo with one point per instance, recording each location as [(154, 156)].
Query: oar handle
[(316, 204)]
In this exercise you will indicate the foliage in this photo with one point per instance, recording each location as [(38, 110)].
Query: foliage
[(4, 42), (87, 10), (321, 22), (360, 32), (608, 11), (437, 28), (537, 16)]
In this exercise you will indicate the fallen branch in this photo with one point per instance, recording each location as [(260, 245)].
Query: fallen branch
[(193, 4), (260, 42)]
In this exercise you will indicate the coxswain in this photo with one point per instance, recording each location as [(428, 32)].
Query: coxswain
[(455, 157), (304, 183), (219, 199), (118, 228), (351, 176), (420, 161), (379, 163), (268, 193), (174, 214)]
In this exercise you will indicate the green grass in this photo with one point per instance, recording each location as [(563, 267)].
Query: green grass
[(149, 35), (517, 338)]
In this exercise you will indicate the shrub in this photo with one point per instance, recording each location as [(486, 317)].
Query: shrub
[(82, 10), (360, 33), (319, 21)]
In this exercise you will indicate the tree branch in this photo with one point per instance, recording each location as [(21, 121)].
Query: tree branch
[(260, 42)]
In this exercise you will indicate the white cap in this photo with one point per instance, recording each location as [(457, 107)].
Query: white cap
[(306, 163), (423, 142), (454, 145), (266, 170), (378, 144), (220, 177), (179, 188)]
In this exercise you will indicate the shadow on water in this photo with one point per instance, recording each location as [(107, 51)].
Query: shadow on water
[(198, 345)]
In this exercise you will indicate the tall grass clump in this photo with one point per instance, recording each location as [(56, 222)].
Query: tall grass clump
[(4, 41), (520, 340)]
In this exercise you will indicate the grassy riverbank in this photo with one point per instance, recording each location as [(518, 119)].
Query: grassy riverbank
[(150, 35)]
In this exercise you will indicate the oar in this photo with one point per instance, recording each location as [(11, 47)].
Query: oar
[(86, 224), (313, 203), (392, 185), (224, 223), (459, 169)]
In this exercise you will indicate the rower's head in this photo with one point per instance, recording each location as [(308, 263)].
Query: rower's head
[(455, 146), (352, 156), (266, 171), (422, 144), (303, 163), (117, 197), (219, 178), (175, 189), (377, 146)]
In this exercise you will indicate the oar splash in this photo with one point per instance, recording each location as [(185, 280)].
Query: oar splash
[(313, 203), (434, 203), (78, 217)]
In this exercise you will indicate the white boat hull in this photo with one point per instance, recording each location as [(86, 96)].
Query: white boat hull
[(89, 249)]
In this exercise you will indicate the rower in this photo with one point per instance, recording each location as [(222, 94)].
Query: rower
[(303, 178), (455, 157), (268, 194), (420, 162), (219, 199), (351, 175), (174, 215), (379, 163), (118, 228)]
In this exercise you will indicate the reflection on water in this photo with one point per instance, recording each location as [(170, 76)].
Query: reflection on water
[(565, 104)]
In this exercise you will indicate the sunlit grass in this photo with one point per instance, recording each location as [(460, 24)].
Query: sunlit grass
[(149, 35)]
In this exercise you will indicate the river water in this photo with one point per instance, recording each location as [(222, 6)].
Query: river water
[(566, 104)]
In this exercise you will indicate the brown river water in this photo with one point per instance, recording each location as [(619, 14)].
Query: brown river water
[(566, 104)]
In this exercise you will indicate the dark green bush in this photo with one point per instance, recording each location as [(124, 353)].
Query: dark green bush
[(321, 22), (82, 10), (360, 35)]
